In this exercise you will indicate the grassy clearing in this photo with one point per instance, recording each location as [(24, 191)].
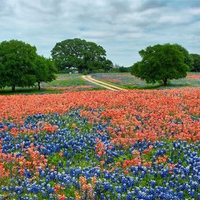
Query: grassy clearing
[(66, 80), (34, 90)]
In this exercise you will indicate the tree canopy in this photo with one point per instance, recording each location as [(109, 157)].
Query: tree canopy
[(45, 70), (17, 64), (20, 65), (81, 55), (161, 63), (196, 63), (188, 59)]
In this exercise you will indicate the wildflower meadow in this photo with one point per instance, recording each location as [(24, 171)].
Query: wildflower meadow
[(131, 82), (117, 145)]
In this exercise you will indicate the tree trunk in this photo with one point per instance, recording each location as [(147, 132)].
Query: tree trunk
[(39, 86), (165, 81), (13, 88)]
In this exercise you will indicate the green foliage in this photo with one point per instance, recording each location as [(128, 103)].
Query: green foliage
[(161, 63), (21, 66), (188, 59), (124, 69), (81, 55), (196, 63), (17, 64), (45, 70)]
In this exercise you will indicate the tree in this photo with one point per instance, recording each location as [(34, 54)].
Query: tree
[(2, 81), (188, 59), (107, 65), (79, 54), (45, 70), (52, 70), (160, 63), (17, 64), (123, 69), (196, 63)]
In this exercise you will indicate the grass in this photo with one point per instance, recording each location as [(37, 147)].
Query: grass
[(63, 83), (66, 80), (33, 90)]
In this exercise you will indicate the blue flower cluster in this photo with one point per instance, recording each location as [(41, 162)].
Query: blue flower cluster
[(177, 178)]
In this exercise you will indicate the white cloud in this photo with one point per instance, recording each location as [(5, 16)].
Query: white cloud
[(122, 27)]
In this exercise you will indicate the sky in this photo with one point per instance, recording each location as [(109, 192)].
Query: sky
[(121, 27)]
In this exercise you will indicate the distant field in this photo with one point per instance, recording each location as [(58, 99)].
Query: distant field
[(128, 81), (70, 82), (74, 82)]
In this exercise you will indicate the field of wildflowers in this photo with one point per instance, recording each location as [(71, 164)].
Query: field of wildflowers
[(141, 144), (130, 82)]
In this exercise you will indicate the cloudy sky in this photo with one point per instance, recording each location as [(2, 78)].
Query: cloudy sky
[(121, 27)]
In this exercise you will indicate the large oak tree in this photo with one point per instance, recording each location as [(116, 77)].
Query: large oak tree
[(21, 66), (81, 55), (45, 70), (17, 64), (161, 63)]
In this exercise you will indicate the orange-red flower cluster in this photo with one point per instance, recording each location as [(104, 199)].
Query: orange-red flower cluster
[(87, 189), (100, 148), (193, 76), (133, 115), (31, 159)]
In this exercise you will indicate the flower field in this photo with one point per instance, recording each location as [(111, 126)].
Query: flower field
[(123, 79), (139, 144), (131, 82)]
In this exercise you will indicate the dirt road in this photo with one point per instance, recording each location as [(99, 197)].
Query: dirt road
[(101, 83)]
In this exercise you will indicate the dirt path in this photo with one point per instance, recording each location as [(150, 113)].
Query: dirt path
[(101, 83)]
